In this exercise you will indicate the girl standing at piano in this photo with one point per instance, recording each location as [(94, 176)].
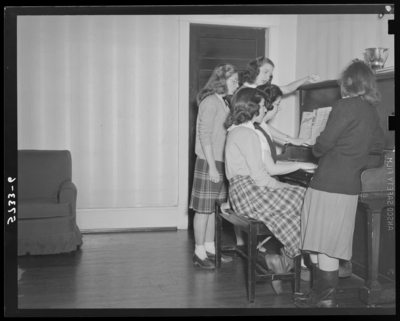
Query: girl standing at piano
[(259, 72), (328, 214), (209, 182)]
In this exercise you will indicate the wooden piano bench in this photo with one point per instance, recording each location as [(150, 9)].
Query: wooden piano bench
[(255, 271)]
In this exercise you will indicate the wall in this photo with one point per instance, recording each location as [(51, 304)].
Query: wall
[(105, 88), (327, 43), (285, 73), (114, 91)]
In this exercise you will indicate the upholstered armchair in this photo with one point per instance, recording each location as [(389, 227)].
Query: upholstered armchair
[(46, 203)]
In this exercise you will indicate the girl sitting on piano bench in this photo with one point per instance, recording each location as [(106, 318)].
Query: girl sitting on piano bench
[(273, 95), (274, 167), (252, 190), (268, 149)]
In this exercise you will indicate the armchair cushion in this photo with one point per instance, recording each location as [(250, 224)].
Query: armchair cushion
[(41, 208)]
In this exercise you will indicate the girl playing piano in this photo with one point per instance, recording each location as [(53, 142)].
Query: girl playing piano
[(268, 150), (273, 95), (252, 190)]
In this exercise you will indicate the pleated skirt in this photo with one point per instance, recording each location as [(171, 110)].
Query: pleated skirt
[(204, 192), (327, 223), (279, 209)]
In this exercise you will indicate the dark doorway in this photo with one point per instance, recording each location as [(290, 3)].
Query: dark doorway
[(211, 45)]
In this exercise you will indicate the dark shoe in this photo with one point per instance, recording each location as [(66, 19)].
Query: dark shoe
[(204, 264), (302, 295), (323, 294), (279, 264), (224, 258), (270, 263), (345, 269)]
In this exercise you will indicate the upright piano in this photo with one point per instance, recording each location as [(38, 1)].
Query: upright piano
[(374, 235)]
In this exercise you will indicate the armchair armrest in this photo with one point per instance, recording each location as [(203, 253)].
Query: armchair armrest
[(67, 193)]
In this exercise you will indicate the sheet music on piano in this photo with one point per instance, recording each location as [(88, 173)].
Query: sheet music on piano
[(306, 124), (313, 123)]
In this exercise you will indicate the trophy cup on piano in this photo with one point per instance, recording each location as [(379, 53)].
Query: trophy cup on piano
[(376, 57)]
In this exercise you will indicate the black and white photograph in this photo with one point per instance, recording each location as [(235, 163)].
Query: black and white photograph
[(199, 160)]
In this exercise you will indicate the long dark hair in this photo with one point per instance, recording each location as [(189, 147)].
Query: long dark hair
[(217, 82), (358, 80), (272, 93), (244, 106), (253, 69)]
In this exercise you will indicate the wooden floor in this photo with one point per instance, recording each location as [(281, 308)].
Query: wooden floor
[(147, 270)]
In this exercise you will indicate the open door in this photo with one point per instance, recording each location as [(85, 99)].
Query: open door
[(211, 45)]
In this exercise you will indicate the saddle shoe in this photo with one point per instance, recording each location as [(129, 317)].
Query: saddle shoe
[(204, 264), (224, 258)]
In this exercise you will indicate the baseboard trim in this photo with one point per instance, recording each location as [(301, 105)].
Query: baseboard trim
[(129, 230), (99, 219)]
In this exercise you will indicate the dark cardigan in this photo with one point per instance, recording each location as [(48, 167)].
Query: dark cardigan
[(352, 131)]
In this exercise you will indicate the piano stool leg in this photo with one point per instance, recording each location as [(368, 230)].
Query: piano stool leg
[(218, 237), (372, 291), (297, 273), (251, 262)]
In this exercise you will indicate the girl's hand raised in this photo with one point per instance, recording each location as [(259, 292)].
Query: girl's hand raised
[(313, 78)]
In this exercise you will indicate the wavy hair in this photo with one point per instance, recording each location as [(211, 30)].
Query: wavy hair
[(272, 93), (217, 82), (244, 106), (358, 80), (253, 69)]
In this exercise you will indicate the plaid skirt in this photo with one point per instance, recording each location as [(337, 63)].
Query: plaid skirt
[(279, 209), (205, 192)]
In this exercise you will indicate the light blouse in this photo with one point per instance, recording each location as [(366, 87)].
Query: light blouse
[(243, 155)]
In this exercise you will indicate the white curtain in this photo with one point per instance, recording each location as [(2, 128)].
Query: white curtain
[(105, 88)]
